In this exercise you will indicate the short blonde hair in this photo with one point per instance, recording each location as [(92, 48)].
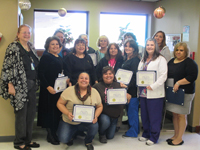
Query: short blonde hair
[(186, 49), (102, 37)]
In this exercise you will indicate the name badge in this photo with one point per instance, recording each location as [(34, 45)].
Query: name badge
[(32, 66)]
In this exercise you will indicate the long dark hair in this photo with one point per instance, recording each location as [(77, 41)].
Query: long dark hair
[(134, 45), (79, 40), (163, 43), (156, 51), (119, 54)]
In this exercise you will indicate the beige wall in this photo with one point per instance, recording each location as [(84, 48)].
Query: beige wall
[(8, 27), (178, 14)]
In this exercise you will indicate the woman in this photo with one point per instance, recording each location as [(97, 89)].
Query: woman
[(152, 96), (102, 43), (50, 66), (161, 41), (131, 63), (63, 51), (81, 94), (79, 61), (108, 118), (183, 71), (113, 58), (19, 83)]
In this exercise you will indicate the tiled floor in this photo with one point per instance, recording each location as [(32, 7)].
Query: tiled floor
[(192, 141)]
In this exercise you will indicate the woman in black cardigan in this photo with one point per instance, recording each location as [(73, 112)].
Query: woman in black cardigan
[(113, 58), (183, 71)]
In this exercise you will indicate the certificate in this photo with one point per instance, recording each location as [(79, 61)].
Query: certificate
[(145, 78), (94, 58), (83, 113), (116, 96), (124, 76), (60, 84)]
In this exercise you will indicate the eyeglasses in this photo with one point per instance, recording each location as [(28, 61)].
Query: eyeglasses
[(79, 45)]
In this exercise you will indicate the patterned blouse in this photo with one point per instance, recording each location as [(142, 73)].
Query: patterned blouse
[(13, 72)]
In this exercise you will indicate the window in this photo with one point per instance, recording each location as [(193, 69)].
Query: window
[(110, 25), (46, 22)]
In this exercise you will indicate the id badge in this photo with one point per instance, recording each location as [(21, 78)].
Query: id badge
[(60, 75), (32, 66)]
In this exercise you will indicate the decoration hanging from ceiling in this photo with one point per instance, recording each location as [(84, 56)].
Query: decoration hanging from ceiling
[(159, 12), (62, 12), (24, 4)]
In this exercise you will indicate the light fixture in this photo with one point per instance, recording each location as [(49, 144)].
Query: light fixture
[(24, 4)]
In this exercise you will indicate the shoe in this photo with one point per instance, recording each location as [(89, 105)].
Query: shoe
[(169, 140), (125, 136), (102, 139), (117, 129), (25, 148), (125, 122), (89, 146), (51, 140), (181, 143), (142, 139), (149, 142), (70, 143), (34, 145)]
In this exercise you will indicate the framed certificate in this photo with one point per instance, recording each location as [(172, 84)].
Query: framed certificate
[(145, 78), (124, 76), (94, 58), (60, 84), (83, 113), (116, 96)]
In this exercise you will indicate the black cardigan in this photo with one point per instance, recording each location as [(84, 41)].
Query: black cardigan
[(187, 69), (104, 62), (132, 65)]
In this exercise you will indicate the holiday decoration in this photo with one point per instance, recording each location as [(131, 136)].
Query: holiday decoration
[(24, 4), (159, 12), (62, 12)]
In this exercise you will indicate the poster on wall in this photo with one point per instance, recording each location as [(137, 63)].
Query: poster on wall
[(172, 40), (186, 31)]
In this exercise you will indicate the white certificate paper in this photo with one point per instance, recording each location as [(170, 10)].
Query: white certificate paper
[(116, 96), (60, 84), (145, 78), (124, 76), (94, 58), (83, 113)]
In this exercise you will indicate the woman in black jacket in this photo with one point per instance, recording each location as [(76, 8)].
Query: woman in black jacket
[(113, 58)]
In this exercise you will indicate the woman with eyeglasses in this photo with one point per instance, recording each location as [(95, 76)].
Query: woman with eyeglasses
[(79, 61), (183, 71), (19, 83)]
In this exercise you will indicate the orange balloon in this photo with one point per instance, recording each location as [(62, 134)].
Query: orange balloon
[(159, 12)]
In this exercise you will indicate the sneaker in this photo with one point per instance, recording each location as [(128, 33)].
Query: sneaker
[(102, 139), (142, 139), (89, 146), (149, 142)]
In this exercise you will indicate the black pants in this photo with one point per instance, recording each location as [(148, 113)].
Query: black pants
[(24, 118)]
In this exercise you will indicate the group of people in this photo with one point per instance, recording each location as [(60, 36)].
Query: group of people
[(88, 84)]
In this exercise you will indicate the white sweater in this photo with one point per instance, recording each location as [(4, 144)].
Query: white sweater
[(160, 66)]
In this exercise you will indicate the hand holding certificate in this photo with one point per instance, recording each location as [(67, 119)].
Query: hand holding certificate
[(145, 78), (83, 113), (124, 76), (116, 96), (60, 84)]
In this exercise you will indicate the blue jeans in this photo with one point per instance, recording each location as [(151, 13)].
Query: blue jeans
[(67, 131), (107, 126)]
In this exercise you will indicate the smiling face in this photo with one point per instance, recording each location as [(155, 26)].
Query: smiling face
[(129, 50), (54, 47), (150, 47), (180, 53), (159, 38), (83, 80), (80, 48), (60, 36), (113, 51), (24, 35), (103, 42), (108, 77)]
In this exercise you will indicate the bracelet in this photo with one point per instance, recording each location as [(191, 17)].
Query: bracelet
[(177, 83)]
